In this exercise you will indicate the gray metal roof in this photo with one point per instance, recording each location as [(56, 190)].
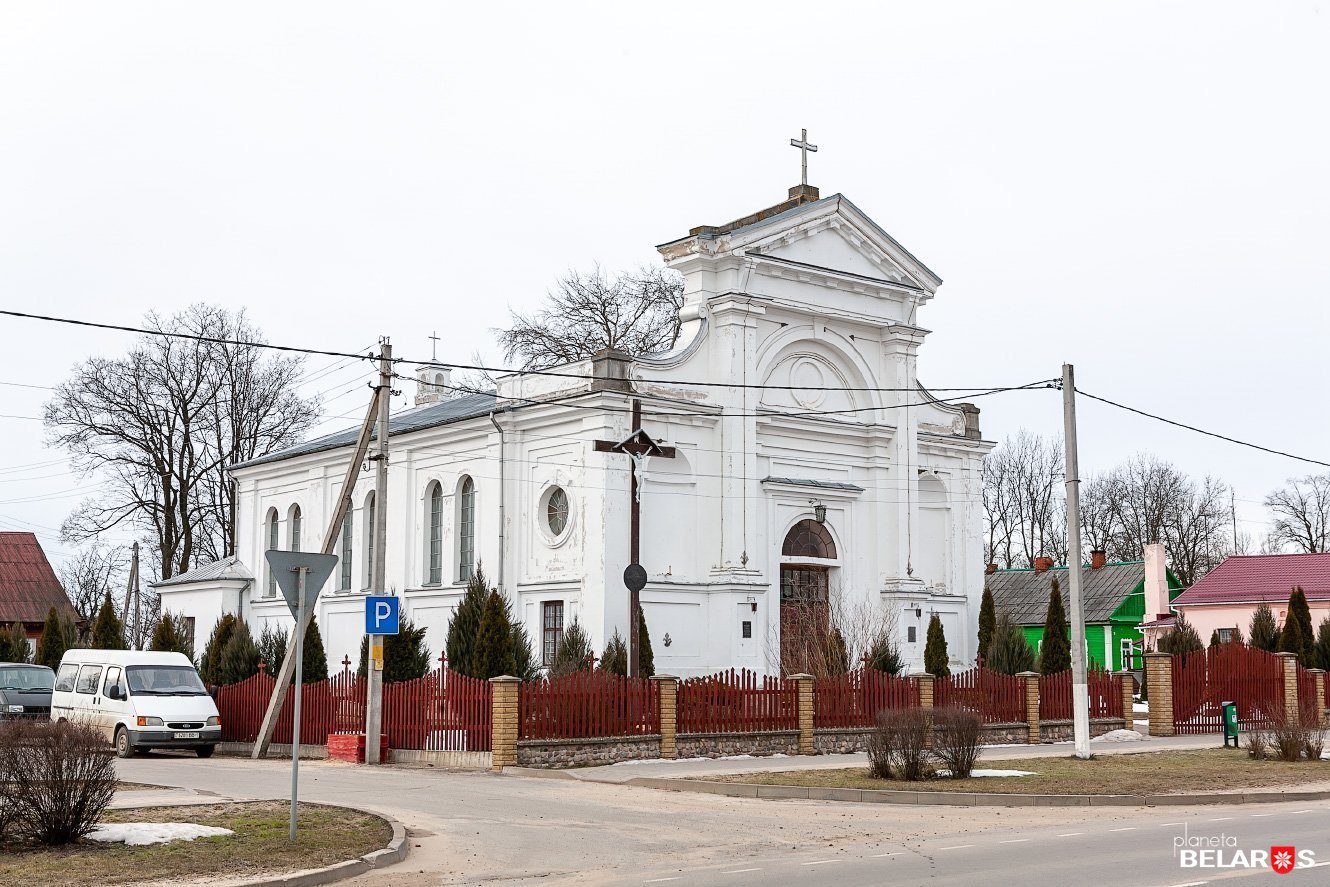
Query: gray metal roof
[(810, 482), (1023, 594), (226, 568), (429, 416)]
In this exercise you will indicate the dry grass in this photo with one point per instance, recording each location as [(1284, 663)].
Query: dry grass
[(259, 847), (138, 787), (1155, 773)]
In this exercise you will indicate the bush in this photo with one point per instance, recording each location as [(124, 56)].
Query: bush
[(55, 780), (405, 654), (1292, 737), (987, 622), (493, 654), (1055, 653), (1258, 743), (171, 635), (211, 661), (646, 657), (615, 658), (884, 656), (574, 653), (52, 645), (107, 632), (936, 658), (1263, 630), (14, 644), (1008, 652), (1182, 639), (239, 658), (464, 624), (956, 739), (898, 746)]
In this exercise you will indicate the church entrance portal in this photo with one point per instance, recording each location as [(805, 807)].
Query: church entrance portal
[(805, 598)]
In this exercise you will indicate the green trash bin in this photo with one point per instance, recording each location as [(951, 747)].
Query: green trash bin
[(1230, 723)]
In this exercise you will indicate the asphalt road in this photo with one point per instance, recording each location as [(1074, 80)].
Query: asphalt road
[(469, 828)]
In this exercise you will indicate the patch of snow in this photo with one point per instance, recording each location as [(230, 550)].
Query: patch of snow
[(974, 773), (1119, 736), (694, 760), (140, 834), (1140, 707)]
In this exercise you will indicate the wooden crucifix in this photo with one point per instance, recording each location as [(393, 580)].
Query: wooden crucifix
[(637, 445)]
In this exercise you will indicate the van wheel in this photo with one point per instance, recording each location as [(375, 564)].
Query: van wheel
[(122, 747), (204, 751)]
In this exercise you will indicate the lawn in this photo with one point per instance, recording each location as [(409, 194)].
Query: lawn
[(259, 846), (1154, 773)]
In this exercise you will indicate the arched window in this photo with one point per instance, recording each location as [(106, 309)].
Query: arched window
[(344, 580), (294, 521), (369, 540), (808, 538), (466, 529), (273, 543), (434, 534)]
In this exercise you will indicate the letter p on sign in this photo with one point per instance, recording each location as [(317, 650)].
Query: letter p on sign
[(382, 615)]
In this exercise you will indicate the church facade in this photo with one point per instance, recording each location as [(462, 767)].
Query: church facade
[(811, 473)]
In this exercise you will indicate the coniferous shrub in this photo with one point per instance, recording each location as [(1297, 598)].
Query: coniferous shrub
[(615, 658), (1237, 636), (211, 662), (1008, 652), (936, 658), (574, 652), (1214, 638), (405, 654), (646, 657), (493, 655), (1055, 651), (525, 665), (883, 655), (1263, 629), (464, 624), (987, 621), (272, 647), (314, 659), (1321, 654), (239, 659), (51, 646), (1298, 635), (14, 644), (107, 632), (1182, 639), (170, 635)]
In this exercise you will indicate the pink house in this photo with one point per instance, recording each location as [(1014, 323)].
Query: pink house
[(1228, 595)]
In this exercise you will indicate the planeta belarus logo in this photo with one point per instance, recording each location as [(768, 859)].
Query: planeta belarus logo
[(1282, 859)]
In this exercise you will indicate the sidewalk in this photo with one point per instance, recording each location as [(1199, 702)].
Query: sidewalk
[(704, 767)]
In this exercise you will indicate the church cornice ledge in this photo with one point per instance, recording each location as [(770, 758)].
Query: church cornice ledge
[(671, 359), (833, 278), (943, 445)]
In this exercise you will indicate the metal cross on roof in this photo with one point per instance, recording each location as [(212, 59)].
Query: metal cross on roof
[(804, 147), (434, 345)]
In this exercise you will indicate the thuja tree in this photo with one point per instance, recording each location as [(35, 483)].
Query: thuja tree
[(14, 645), (1007, 651), (987, 621), (1322, 648), (53, 643), (239, 658), (210, 662), (170, 635), (405, 654), (1263, 630), (107, 632), (493, 655), (1055, 652), (1182, 639), (615, 658), (646, 657), (936, 658), (464, 625), (1298, 636), (574, 653)]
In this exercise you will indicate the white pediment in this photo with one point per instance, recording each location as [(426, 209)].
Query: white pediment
[(828, 248)]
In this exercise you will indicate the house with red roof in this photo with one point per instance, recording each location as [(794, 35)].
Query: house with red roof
[(29, 587), (1227, 596)]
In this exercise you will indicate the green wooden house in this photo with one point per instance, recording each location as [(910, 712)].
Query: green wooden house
[(1112, 599)]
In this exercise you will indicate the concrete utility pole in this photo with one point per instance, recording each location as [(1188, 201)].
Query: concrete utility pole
[(330, 537), (374, 669), (1080, 699), (131, 589)]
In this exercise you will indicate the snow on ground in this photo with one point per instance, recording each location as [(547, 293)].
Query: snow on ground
[(1119, 736), (139, 834), (1140, 707), (693, 760), (992, 773)]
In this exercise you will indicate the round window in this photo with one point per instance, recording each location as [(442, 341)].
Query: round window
[(556, 511)]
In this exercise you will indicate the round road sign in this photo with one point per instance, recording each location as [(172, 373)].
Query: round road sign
[(635, 577)]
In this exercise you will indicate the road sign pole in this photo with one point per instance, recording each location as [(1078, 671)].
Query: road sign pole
[(300, 691)]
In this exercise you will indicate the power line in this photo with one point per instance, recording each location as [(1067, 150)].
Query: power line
[(1232, 440)]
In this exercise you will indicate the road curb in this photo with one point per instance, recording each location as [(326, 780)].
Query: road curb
[(962, 799)]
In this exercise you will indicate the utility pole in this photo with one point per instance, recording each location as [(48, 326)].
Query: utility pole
[(1233, 510), (131, 588), (1080, 699), (374, 670)]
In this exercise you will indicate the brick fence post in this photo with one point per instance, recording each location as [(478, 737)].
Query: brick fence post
[(1319, 675), (1290, 662), (1031, 679), (1159, 682), (668, 694), (805, 686), (1127, 683), (924, 681), (503, 722)]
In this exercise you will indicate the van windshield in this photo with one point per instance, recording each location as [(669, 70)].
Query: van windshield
[(29, 678), (164, 680)]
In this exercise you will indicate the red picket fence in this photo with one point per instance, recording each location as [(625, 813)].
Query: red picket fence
[(334, 705), (999, 698), (443, 711), (1055, 700), (1308, 704), (1203, 680), (587, 704), (854, 699), (737, 702)]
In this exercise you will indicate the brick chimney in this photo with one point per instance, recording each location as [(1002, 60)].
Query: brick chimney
[(1042, 564), (1156, 582), (990, 569), (1097, 559)]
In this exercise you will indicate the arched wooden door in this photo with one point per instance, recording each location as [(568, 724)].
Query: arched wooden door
[(805, 595)]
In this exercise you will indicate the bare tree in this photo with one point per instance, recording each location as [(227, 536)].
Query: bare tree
[(1301, 514), (159, 426), (636, 312), (98, 568), (1023, 499)]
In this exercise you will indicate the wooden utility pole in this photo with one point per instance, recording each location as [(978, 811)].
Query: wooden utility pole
[(131, 590), (374, 667), (1080, 700), (264, 739), (637, 445)]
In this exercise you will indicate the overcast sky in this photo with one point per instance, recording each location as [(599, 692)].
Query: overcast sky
[(1138, 188)]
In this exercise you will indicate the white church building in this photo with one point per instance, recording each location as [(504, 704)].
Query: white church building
[(809, 463)]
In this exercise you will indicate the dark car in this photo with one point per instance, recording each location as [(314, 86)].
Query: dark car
[(25, 690)]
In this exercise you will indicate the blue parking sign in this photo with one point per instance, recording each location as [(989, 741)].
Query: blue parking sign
[(382, 614)]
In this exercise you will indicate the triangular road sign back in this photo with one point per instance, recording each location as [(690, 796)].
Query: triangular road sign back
[(284, 565)]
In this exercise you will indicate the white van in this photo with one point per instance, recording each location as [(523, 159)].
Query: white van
[(140, 701)]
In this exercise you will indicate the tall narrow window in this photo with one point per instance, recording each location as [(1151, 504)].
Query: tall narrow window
[(345, 579), (434, 574), (551, 630), (271, 590), (369, 541), (466, 530), (295, 527)]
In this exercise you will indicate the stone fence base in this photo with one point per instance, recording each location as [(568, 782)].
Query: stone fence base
[(855, 739), (561, 753)]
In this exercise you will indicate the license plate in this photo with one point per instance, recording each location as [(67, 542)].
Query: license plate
[(187, 736)]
